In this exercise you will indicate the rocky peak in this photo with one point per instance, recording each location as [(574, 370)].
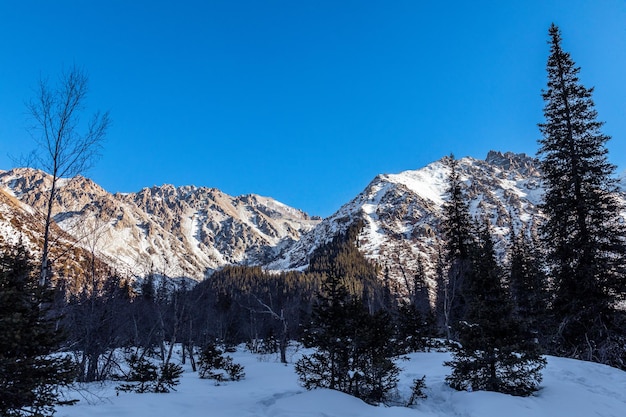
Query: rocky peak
[(509, 161)]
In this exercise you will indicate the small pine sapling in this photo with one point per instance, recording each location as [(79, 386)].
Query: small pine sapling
[(169, 377), (417, 391), (142, 376), (213, 364)]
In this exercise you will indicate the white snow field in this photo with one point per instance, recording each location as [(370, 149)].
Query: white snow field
[(570, 389)]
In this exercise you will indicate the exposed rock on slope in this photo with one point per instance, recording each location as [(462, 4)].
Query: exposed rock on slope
[(21, 223), (177, 232)]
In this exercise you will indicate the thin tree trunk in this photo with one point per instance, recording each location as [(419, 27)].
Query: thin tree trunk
[(43, 277)]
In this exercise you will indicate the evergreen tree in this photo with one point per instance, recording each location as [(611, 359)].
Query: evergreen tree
[(354, 349), (413, 328), (528, 284), (441, 282), (141, 377), (144, 376), (415, 318), (29, 374), (456, 228), (374, 372), (329, 332), (214, 364), (582, 233), (420, 296), (494, 353)]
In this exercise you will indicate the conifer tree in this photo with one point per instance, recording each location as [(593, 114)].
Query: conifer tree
[(456, 228), (415, 317), (374, 374), (29, 374), (528, 284), (583, 234), (354, 349), (420, 296), (494, 353), (329, 332), (441, 280)]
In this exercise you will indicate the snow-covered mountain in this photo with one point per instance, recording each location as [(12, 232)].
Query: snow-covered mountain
[(172, 231), (187, 231), (402, 212)]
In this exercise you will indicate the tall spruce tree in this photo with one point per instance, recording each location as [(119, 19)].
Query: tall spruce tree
[(415, 317), (583, 232), (29, 374), (329, 332), (355, 350), (456, 228), (494, 353), (420, 296), (528, 284)]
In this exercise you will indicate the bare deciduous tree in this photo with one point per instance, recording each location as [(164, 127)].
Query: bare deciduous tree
[(67, 145)]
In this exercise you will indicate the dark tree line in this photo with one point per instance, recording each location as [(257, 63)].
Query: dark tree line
[(107, 315)]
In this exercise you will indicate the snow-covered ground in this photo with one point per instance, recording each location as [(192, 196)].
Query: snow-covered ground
[(570, 389)]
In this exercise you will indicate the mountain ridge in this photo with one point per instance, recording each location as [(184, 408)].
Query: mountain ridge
[(173, 231), (402, 212), (189, 231)]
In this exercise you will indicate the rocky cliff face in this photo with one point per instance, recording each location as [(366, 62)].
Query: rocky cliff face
[(177, 232)]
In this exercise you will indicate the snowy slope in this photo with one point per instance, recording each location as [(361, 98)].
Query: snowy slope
[(570, 388), (17, 221)]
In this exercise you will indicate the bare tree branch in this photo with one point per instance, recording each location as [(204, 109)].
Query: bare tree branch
[(67, 146), (283, 320)]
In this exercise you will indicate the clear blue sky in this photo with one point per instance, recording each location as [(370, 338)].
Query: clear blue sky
[(301, 100)]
